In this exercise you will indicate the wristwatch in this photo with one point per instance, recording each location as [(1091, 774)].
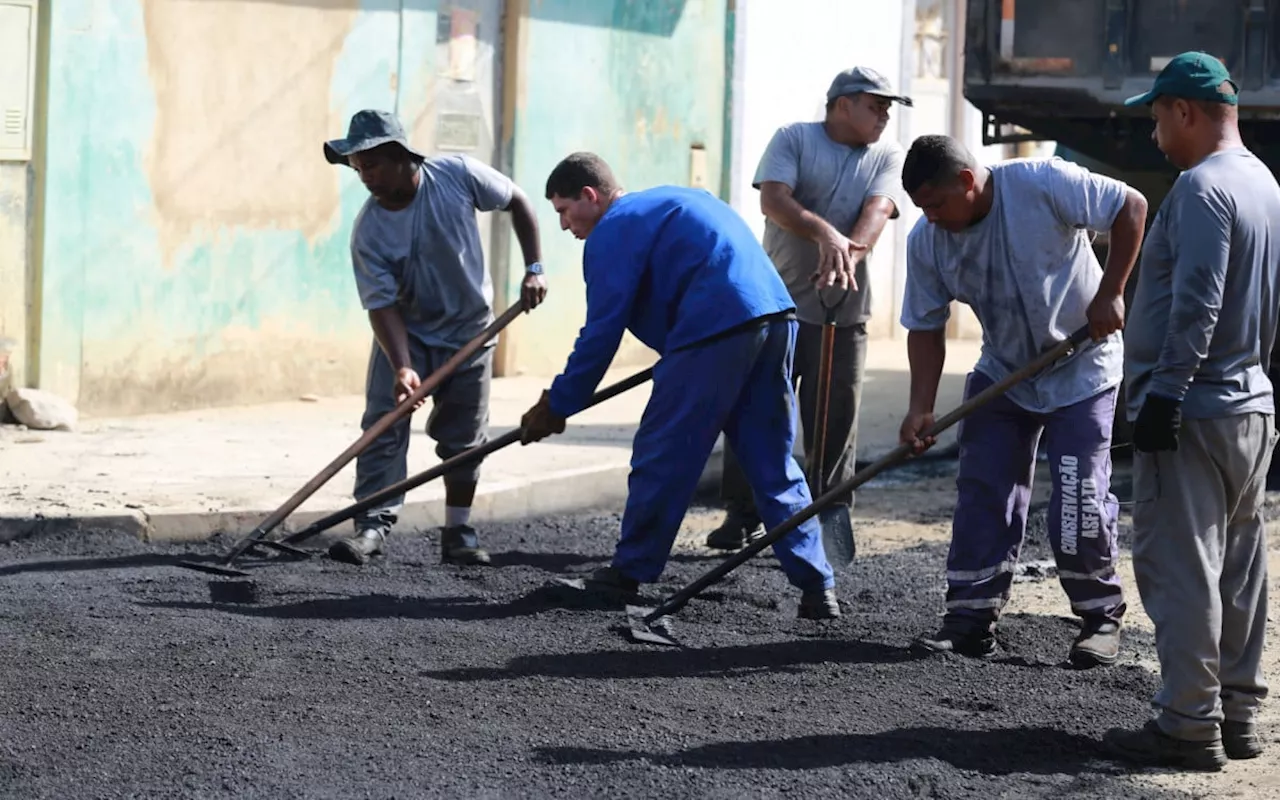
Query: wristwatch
[(534, 269)]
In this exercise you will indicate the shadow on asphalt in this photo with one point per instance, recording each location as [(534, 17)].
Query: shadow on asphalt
[(1004, 751), (117, 562), (707, 662), (362, 607)]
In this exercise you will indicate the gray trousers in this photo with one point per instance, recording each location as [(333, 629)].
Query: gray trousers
[(459, 421), (1200, 559), (839, 461)]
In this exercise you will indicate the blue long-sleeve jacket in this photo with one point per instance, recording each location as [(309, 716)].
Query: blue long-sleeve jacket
[(672, 265)]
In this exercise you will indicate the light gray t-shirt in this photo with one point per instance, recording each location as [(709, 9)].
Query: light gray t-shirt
[(1028, 271), (832, 181), (1204, 314), (427, 256)]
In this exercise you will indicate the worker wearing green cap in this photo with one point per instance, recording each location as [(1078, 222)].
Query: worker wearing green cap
[(1197, 350)]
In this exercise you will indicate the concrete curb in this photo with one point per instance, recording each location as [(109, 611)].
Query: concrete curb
[(565, 491)]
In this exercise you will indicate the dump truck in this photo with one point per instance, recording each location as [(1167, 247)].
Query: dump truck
[(1060, 71)]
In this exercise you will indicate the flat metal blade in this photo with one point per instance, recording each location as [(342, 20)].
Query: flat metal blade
[(837, 536), (657, 632)]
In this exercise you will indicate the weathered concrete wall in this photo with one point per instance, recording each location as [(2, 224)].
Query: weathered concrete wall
[(14, 253), (641, 82), (195, 241)]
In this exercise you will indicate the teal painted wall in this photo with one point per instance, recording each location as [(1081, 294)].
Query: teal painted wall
[(195, 240), (637, 81)]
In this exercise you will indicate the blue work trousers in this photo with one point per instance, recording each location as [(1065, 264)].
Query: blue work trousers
[(739, 384)]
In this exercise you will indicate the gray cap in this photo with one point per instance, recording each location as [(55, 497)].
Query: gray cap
[(864, 79)]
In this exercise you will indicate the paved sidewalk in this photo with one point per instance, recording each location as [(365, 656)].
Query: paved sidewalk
[(188, 475)]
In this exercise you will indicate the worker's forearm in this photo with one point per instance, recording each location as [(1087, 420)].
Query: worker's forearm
[(1125, 245), (525, 224), (392, 336), (871, 222), (926, 353), (787, 213)]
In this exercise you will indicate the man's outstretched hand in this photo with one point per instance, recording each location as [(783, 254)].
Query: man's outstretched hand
[(540, 421)]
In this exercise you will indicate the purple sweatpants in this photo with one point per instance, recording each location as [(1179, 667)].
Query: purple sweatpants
[(997, 462)]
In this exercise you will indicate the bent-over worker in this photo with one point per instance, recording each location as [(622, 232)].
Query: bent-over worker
[(419, 269), (1012, 242), (682, 271)]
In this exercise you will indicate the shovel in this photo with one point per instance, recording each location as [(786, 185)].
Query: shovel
[(650, 626), (429, 385), (837, 528)]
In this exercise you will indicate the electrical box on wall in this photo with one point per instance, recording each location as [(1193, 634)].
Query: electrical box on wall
[(18, 25)]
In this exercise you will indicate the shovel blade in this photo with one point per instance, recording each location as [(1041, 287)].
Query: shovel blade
[(837, 536), (657, 632)]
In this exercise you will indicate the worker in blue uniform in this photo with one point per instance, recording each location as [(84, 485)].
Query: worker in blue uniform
[(681, 271)]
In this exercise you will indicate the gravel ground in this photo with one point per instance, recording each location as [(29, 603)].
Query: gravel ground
[(125, 676)]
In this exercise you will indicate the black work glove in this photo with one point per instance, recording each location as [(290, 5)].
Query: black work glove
[(1157, 425)]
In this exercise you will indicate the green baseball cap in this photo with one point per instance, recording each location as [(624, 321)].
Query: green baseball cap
[(1192, 76)]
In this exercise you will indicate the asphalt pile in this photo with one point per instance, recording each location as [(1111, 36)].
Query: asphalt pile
[(126, 676)]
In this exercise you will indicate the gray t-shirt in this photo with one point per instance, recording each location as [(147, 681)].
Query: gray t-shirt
[(832, 181), (1204, 314), (427, 256), (1029, 272)]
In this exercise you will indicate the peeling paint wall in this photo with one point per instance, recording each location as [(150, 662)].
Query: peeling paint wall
[(195, 244), (640, 82)]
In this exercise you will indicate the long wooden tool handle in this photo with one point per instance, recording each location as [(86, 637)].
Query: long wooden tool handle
[(402, 410), (818, 442), (680, 598), (444, 467)]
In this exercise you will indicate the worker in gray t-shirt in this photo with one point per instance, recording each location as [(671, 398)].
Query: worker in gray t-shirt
[(1198, 345), (827, 189), (419, 270)]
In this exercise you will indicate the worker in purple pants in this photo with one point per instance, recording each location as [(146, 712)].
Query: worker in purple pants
[(1012, 241), (997, 460)]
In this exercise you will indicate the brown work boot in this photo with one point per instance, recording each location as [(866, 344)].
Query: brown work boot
[(461, 545), (1241, 740), (1152, 747), (1098, 644), (358, 548)]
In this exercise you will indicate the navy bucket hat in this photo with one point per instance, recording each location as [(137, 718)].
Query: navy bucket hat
[(368, 129)]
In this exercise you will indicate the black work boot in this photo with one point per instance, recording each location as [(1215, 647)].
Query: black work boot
[(1152, 747), (359, 547), (609, 581), (737, 531), (461, 545), (1240, 739), (1097, 645), (818, 604), (962, 637)]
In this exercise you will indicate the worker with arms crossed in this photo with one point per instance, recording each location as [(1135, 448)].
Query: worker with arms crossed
[(419, 269), (682, 271), (1012, 241), (827, 190), (1197, 350)]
